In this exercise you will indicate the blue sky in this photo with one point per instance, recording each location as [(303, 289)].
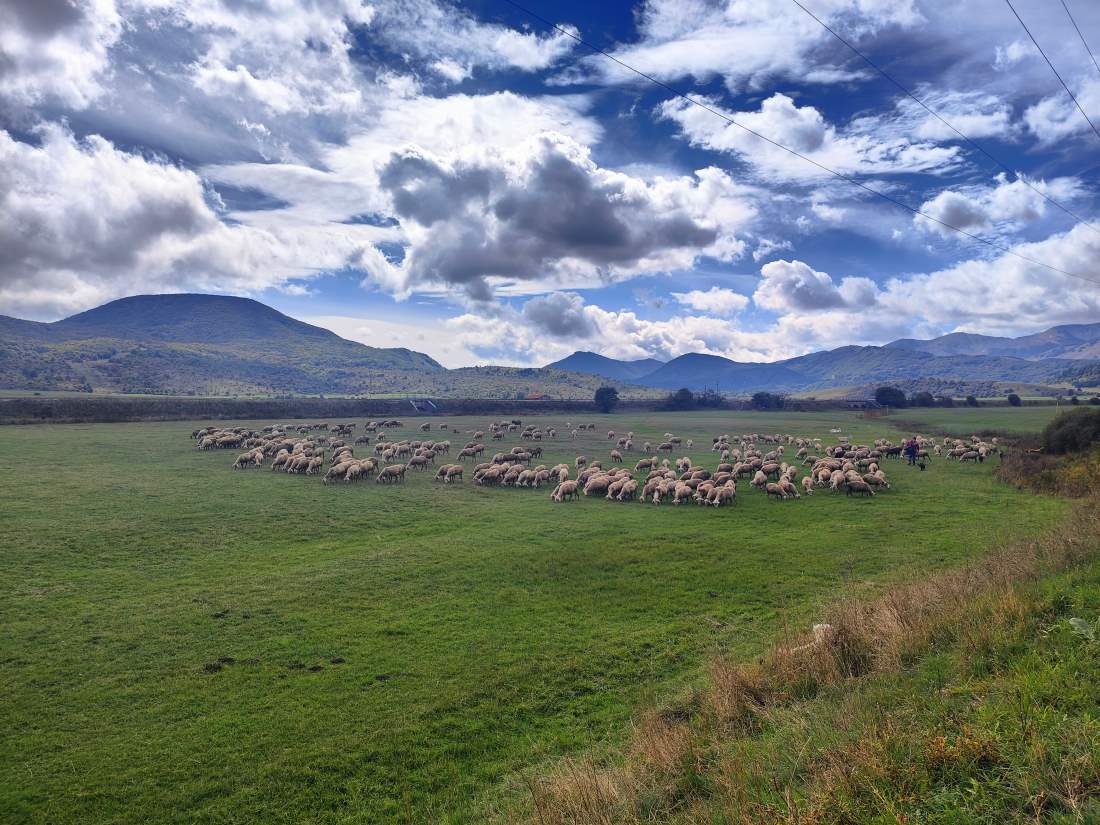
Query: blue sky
[(458, 179)]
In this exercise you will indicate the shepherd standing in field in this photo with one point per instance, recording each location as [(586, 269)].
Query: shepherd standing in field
[(911, 450)]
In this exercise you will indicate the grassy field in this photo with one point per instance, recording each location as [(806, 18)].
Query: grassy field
[(965, 696), (965, 421), (188, 643)]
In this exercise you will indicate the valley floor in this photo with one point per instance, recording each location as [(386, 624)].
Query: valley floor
[(188, 643)]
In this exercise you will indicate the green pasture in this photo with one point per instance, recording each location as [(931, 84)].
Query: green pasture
[(188, 643), (966, 421)]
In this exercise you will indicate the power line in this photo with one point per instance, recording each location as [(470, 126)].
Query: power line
[(1083, 43), (1047, 59), (943, 120), (795, 153)]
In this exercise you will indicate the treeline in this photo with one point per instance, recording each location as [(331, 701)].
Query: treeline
[(82, 409), (896, 397), (684, 399)]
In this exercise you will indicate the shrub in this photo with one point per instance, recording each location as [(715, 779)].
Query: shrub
[(1014, 400), (1072, 431), (767, 401), (606, 398), (890, 397), (682, 399), (1073, 476), (922, 399), (971, 401), (709, 398)]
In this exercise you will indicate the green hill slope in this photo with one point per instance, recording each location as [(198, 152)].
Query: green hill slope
[(191, 343)]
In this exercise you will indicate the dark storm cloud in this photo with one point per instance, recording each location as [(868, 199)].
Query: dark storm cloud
[(426, 192), (560, 314), (44, 18), (484, 224)]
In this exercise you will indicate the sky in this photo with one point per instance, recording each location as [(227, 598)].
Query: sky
[(461, 179)]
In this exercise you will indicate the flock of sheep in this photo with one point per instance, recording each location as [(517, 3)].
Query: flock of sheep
[(782, 467)]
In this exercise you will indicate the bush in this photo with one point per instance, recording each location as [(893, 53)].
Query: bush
[(1014, 400), (1095, 400), (1072, 431), (890, 397), (945, 401), (922, 399), (682, 399), (767, 401), (710, 399), (1073, 476), (971, 401), (606, 399)]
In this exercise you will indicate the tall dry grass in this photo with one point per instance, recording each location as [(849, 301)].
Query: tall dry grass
[(669, 755)]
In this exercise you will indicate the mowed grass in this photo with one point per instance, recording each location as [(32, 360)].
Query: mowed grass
[(398, 654), (965, 421)]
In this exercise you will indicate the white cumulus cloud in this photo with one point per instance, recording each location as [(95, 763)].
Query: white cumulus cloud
[(713, 301)]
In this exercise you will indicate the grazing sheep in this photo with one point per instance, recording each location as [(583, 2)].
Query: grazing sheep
[(566, 490), (876, 480), (336, 471), (788, 487), (597, 485), (392, 474), (836, 480), (682, 492), (629, 488), (776, 490), (859, 486), (616, 456), (614, 487), (723, 495)]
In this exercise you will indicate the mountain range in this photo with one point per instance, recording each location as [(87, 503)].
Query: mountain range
[(1056, 355), (1071, 341), (218, 345)]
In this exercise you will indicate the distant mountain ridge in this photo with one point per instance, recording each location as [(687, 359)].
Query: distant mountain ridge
[(1070, 341), (1054, 355), (217, 345), (596, 364)]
